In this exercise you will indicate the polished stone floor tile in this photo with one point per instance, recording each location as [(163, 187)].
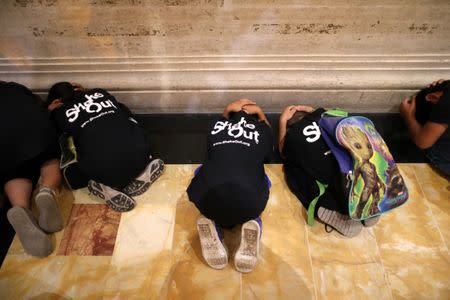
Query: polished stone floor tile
[(54, 277), (190, 276), (284, 269), (347, 268), (91, 230), (156, 253), (436, 189), (413, 253), (142, 257)]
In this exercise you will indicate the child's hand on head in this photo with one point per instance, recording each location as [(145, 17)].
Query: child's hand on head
[(437, 82), (408, 106), (239, 104), (76, 86), (289, 111), (55, 104), (252, 109)]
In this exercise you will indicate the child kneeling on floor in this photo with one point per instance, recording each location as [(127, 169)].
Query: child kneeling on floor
[(231, 187), (112, 150), (29, 153), (308, 161), (427, 116)]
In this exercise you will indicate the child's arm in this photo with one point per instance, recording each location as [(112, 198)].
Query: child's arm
[(423, 136), (253, 109), (236, 106)]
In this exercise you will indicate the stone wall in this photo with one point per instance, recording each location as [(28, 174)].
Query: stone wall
[(196, 55)]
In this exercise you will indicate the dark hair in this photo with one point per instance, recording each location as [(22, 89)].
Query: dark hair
[(61, 90), (297, 117), (423, 107)]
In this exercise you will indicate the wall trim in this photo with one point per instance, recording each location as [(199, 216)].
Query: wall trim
[(182, 81)]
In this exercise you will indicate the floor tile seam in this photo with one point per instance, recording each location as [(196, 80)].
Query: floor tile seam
[(431, 212), (242, 288), (310, 260), (386, 274)]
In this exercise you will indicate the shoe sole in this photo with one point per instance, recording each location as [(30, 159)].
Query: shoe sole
[(120, 203), (371, 221), (155, 174), (214, 252), (343, 224), (50, 219), (246, 256), (33, 239)]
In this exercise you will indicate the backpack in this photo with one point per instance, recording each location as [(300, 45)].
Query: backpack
[(311, 170), (369, 173)]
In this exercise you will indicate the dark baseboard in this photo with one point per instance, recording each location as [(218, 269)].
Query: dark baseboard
[(181, 138)]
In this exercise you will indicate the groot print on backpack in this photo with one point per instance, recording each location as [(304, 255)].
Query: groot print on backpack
[(358, 142)]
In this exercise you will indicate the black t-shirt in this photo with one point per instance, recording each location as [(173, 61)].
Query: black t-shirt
[(308, 158), (26, 130), (440, 113), (105, 139), (234, 169)]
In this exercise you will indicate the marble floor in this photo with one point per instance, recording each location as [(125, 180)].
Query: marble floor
[(153, 252)]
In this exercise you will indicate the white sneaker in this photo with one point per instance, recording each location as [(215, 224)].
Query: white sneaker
[(115, 199), (213, 249), (246, 256), (342, 223), (139, 185)]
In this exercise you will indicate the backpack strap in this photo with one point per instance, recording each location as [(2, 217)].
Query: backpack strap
[(312, 205), (336, 112)]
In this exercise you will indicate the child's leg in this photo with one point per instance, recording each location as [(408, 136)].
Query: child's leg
[(211, 241), (18, 191), (51, 174), (33, 239), (50, 218), (246, 256)]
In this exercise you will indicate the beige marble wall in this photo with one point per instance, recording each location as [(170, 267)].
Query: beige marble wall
[(195, 55), (157, 252)]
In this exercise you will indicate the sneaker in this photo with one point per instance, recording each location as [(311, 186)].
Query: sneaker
[(213, 249), (115, 199), (246, 256), (342, 223), (371, 221), (50, 219), (33, 239), (139, 185)]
